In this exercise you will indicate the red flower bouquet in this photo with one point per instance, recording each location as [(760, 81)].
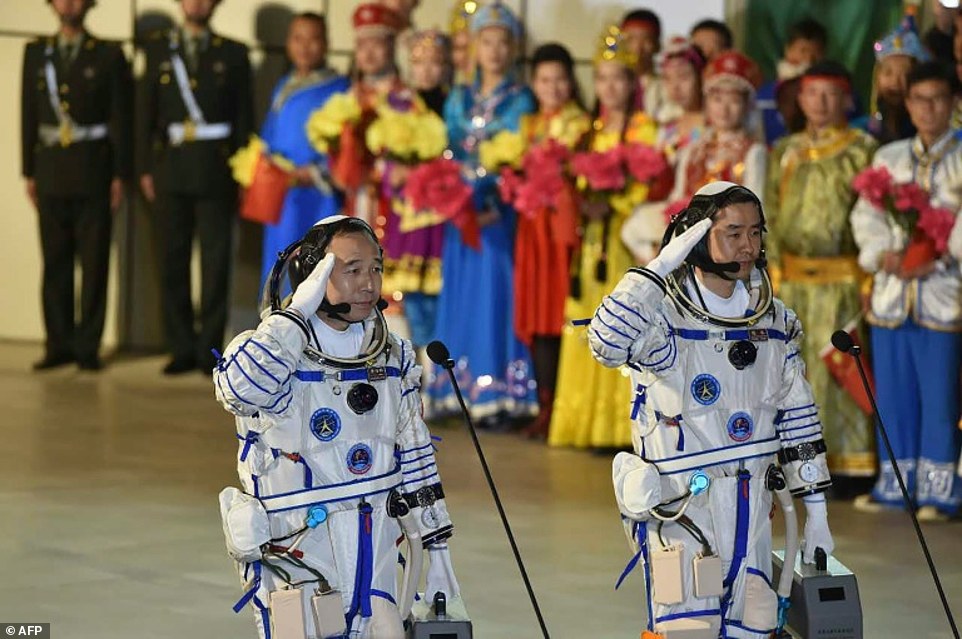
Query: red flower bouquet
[(438, 186), (599, 171), (908, 206)]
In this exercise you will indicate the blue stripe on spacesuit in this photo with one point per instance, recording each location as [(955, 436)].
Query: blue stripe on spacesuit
[(249, 440), (619, 318), (691, 613), (610, 327), (733, 335), (383, 595), (406, 451), (347, 375), (756, 571), (742, 516), (415, 470), (671, 352), (627, 308), (257, 364), (795, 437), (417, 479), (782, 431), (641, 397), (715, 450), (251, 597), (409, 391), (606, 342), (364, 570), (417, 459), (267, 351), (785, 420)]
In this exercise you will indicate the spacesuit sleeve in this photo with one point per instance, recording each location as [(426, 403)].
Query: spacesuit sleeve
[(421, 484), (629, 326), (803, 454), (254, 375)]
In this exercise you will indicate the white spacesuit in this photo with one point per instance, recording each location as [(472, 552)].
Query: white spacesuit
[(332, 451), (720, 396)]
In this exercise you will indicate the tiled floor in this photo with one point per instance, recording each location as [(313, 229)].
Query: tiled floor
[(110, 526)]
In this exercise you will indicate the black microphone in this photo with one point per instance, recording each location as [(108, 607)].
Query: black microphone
[(846, 344), (440, 355), (843, 341)]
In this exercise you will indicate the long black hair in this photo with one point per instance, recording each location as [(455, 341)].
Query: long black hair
[(556, 52)]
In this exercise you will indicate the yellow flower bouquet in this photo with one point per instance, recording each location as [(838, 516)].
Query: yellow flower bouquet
[(326, 124), (265, 178), (504, 150), (406, 132)]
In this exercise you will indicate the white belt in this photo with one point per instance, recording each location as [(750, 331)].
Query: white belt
[(57, 135), (717, 456), (333, 493), (180, 132)]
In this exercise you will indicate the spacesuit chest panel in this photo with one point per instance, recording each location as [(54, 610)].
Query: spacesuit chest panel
[(343, 422), (711, 398)]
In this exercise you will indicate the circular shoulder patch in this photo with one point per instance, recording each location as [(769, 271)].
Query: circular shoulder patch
[(705, 389), (325, 424), (359, 459), (740, 427)]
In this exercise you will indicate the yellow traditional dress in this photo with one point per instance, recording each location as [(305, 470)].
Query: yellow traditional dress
[(808, 201), (593, 403)]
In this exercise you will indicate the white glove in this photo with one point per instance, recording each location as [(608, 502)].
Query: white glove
[(310, 293), (817, 534), (440, 578), (672, 256), (637, 485)]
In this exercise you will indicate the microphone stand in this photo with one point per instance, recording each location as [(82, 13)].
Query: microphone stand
[(855, 351), (448, 364)]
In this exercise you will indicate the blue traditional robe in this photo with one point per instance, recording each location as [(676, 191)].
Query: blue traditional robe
[(476, 304), (284, 133)]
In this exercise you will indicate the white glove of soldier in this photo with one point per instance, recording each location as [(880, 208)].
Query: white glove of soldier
[(817, 534), (675, 252), (309, 295), (440, 578)]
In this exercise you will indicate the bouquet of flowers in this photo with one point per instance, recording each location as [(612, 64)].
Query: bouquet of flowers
[(908, 207), (621, 174), (503, 150), (265, 178), (331, 130), (325, 126), (406, 131), (540, 186), (437, 185)]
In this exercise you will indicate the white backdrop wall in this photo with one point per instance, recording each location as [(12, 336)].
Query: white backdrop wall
[(260, 23)]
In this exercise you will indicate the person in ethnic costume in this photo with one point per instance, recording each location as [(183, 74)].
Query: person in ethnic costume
[(727, 151), (895, 56), (547, 238), (306, 88), (916, 311), (591, 402), (413, 239), (475, 315), (809, 198)]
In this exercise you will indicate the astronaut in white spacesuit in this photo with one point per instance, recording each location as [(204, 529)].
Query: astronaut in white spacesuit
[(334, 457), (720, 397)]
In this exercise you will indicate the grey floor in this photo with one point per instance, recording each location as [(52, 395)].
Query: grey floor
[(110, 528)]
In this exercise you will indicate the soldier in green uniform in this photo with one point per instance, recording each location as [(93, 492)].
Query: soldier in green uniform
[(196, 110), (75, 121)]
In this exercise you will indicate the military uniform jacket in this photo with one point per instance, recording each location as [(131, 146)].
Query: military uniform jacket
[(221, 85), (93, 91)]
